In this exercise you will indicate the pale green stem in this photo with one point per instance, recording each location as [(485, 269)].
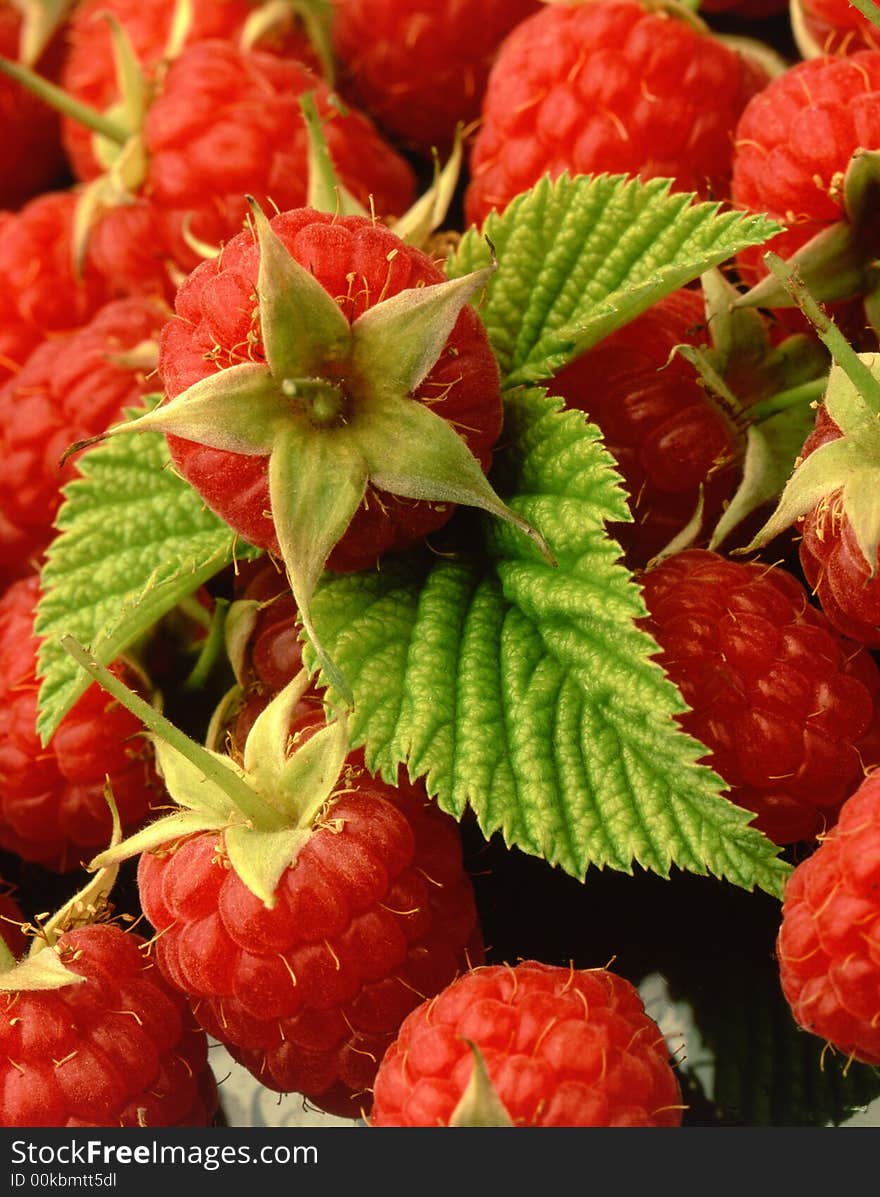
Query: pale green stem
[(805, 392), (843, 354), (63, 102), (240, 793)]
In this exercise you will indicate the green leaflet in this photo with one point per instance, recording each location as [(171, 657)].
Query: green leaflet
[(579, 257), (528, 693), (134, 540)]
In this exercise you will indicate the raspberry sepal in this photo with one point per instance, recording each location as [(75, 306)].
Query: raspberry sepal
[(266, 808)]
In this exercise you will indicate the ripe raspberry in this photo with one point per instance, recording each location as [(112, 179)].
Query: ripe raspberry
[(420, 66), (375, 913), (609, 86), (562, 1047), (89, 71), (359, 262), (227, 122), (833, 563), (789, 709), (794, 144), (31, 155), (119, 1049), (666, 435), (40, 292), (830, 928), (73, 386), (52, 805), (832, 27)]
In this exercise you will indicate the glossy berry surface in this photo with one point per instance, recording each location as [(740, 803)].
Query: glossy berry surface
[(72, 387), (375, 913), (657, 421), (420, 66), (828, 939), (789, 709), (845, 584), (119, 1049), (562, 1047), (52, 805), (612, 86)]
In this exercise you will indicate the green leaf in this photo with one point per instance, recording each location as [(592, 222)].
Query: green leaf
[(527, 692), (579, 257), (134, 540)]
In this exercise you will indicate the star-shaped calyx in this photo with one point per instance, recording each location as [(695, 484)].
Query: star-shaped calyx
[(264, 810), (331, 407)]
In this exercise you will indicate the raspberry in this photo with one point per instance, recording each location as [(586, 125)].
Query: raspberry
[(833, 563), (375, 913), (833, 27), (52, 805), (119, 1049), (72, 387), (830, 930), (358, 262), (658, 422), (786, 706), (410, 64), (562, 1047), (227, 122), (40, 292), (610, 86), (89, 71), (793, 145)]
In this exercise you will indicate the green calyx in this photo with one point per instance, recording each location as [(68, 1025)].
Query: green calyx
[(263, 810), (332, 408), (843, 474), (480, 1104)]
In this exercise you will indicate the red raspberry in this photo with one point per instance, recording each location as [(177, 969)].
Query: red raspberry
[(359, 262), (119, 1049), (52, 805), (562, 1047), (375, 913), (40, 292), (667, 437), (420, 66), (830, 929), (794, 142), (789, 709), (609, 86), (89, 71), (833, 563), (31, 155), (227, 122), (835, 26), (73, 386)]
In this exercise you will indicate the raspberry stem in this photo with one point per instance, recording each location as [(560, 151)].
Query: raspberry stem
[(62, 102), (867, 386)]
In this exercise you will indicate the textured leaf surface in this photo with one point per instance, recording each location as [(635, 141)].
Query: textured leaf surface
[(528, 693), (134, 539), (579, 257)]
